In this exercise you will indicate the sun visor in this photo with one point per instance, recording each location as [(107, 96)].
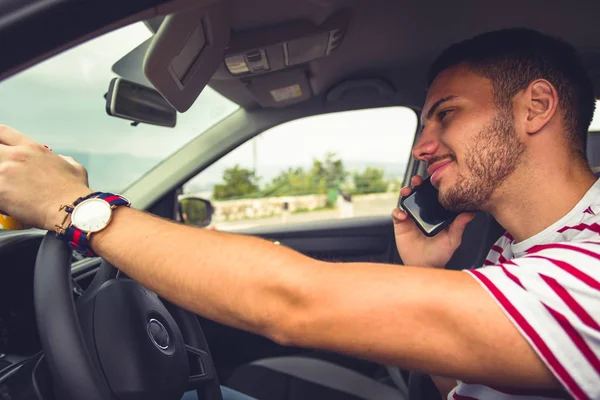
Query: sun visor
[(280, 89), (130, 66), (186, 51)]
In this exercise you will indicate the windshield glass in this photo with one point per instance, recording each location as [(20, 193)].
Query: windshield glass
[(60, 103)]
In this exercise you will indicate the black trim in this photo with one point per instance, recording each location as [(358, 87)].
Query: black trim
[(31, 29), (167, 206), (364, 226), (353, 239)]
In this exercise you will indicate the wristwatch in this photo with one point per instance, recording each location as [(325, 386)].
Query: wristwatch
[(89, 214)]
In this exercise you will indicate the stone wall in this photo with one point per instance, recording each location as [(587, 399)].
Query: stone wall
[(232, 210), (235, 210)]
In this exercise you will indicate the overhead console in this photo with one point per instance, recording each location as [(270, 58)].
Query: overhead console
[(270, 60), (280, 47)]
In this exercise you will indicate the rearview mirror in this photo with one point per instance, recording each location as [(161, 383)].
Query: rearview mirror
[(138, 103), (195, 211)]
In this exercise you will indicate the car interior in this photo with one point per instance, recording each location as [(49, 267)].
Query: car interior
[(72, 328)]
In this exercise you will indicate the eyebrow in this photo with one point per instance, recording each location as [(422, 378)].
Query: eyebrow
[(435, 106)]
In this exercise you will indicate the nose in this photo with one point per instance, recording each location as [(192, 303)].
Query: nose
[(427, 145)]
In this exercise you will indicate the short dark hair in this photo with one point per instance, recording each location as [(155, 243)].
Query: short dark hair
[(513, 58)]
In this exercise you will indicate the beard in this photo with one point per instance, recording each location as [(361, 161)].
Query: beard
[(490, 159)]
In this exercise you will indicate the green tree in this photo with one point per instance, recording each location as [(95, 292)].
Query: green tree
[(237, 182), (328, 173), (371, 180), (324, 174), (293, 181)]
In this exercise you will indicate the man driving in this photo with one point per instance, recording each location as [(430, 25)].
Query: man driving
[(503, 129)]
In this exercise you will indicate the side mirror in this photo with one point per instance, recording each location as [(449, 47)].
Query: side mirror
[(195, 211), (138, 103)]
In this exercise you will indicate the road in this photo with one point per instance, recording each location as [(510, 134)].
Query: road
[(362, 208)]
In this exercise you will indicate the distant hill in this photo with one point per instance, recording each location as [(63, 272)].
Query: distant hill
[(112, 171)]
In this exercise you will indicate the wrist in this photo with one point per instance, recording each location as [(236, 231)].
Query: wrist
[(87, 215), (97, 239), (55, 214)]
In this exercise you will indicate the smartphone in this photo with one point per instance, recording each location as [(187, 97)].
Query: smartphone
[(423, 206)]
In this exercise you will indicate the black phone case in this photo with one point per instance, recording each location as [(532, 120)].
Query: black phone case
[(427, 233)]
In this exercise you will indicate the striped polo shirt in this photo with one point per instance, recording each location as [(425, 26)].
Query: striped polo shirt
[(549, 287)]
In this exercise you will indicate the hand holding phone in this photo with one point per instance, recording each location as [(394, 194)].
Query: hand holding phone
[(419, 227), (423, 206)]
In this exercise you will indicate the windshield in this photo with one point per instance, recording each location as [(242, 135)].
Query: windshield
[(60, 103)]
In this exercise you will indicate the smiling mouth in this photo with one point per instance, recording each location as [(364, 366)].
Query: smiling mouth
[(437, 171), (438, 163)]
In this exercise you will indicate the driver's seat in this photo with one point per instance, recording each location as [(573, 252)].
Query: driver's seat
[(307, 377)]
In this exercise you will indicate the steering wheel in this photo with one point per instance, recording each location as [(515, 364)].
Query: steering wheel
[(119, 340)]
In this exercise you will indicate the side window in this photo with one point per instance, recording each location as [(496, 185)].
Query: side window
[(340, 165), (593, 143)]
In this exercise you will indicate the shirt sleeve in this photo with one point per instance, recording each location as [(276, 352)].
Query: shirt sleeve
[(552, 295)]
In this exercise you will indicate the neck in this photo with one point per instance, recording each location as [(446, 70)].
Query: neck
[(539, 194)]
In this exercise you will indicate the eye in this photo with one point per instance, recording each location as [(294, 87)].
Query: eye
[(442, 114)]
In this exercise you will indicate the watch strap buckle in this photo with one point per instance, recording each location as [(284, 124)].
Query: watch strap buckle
[(76, 238)]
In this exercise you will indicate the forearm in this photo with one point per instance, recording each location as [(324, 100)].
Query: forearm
[(417, 318), (255, 285), (237, 280)]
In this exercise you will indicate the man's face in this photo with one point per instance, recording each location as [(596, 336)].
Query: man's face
[(469, 143)]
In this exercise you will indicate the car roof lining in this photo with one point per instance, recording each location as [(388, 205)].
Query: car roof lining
[(386, 40), (390, 41), (397, 41)]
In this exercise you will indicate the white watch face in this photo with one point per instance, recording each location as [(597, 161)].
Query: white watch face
[(91, 215)]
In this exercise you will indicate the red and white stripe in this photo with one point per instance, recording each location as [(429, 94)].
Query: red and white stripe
[(551, 292)]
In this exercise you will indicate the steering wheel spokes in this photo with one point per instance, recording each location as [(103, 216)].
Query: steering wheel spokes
[(201, 367), (119, 341)]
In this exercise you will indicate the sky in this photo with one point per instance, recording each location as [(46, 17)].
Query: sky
[(380, 138), (384, 135), (60, 103)]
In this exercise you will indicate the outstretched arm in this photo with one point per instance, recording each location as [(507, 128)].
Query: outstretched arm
[(441, 322), (423, 319)]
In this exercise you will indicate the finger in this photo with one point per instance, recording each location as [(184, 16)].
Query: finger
[(403, 224), (457, 227), (398, 215), (69, 159), (416, 180), (12, 137), (405, 191)]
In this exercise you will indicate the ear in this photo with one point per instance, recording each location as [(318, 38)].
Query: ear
[(541, 104)]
